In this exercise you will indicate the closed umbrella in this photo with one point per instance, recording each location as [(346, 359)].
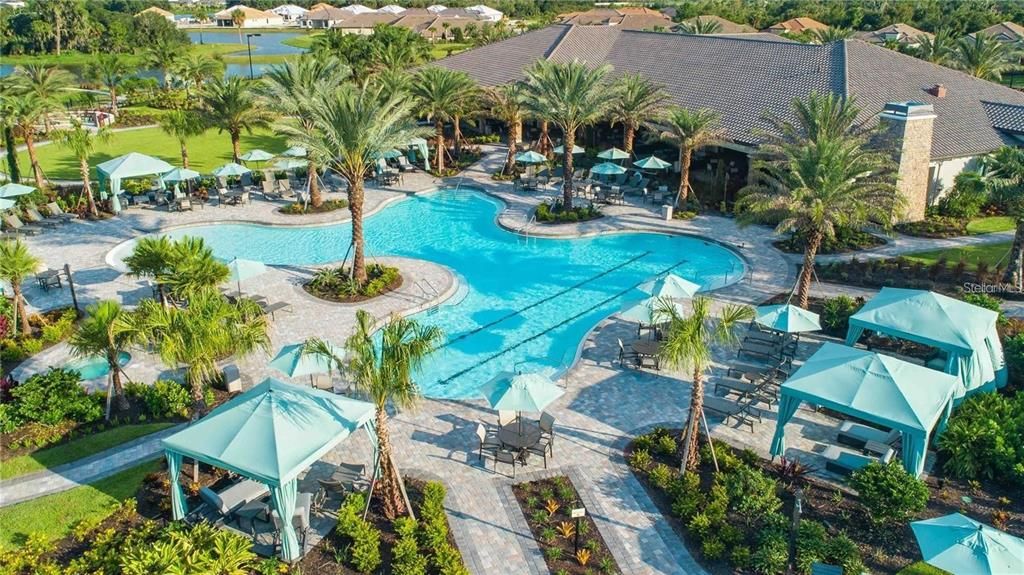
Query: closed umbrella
[(649, 311), (294, 152), (614, 154), (230, 169), (11, 190), (671, 286), (652, 163), (293, 361), (575, 150), (240, 269), (787, 318), (520, 392), (608, 169), (959, 544), (530, 157)]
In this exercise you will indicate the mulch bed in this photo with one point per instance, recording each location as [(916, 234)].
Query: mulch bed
[(533, 497), (329, 296), (326, 207), (846, 241), (884, 550)]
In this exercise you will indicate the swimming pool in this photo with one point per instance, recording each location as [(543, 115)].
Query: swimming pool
[(525, 303), (97, 367)]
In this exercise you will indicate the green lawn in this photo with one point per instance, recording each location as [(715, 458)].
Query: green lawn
[(305, 41), (54, 515), (205, 152), (989, 253), (991, 224), (77, 449), (921, 568), (441, 50)]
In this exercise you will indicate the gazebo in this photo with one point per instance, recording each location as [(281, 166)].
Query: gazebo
[(269, 434), (877, 388), (966, 333), (420, 145), (132, 165)]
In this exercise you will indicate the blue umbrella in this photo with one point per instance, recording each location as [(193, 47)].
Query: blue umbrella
[(787, 318), (294, 362), (652, 163), (6, 204), (520, 392), (10, 190), (387, 154), (649, 311), (959, 544), (608, 169), (231, 169), (614, 153), (575, 150), (256, 156), (244, 269), (530, 157), (671, 286), (295, 152), (285, 164), (180, 175)]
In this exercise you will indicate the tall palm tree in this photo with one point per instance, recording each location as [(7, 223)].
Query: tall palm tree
[(819, 184), (209, 329), (182, 125), (8, 92), (937, 49), (688, 130), (441, 94), (96, 336), (46, 82), (1005, 171), (238, 20), (700, 26), (506, 104), (231, 105), (982, 56), (572, 95), (179, 267), (111, 70), (688, 345), (354, 126), (385, 374), (81, 142), (194, 68), (639, 100), (831, 34), (162, 56), (26, 110), (392, 80), (16, 265), (292, 90), (202, 16)]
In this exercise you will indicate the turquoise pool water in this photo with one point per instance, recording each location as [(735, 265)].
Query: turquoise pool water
[(96, 367), (524, 303)]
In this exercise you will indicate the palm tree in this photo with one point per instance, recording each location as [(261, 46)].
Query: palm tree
[(238, 19), (506, 104), (689, 131), (182, 125), (16, 265), (46, 82), (181, 267), (81, 142), (639, 100), (820, 183), (831, 34), (198, 336), (392, 80), (688, 345), (194, 68), (110, 70), (26, 110), (162, 56), (293, 88), (354, 125), (982, 56), (1006, 173), (8, 92), (937, 49), (572, 95), (202, 15), (700, 26), (385, 375), (96, 336), (232, 106), (441, 95)]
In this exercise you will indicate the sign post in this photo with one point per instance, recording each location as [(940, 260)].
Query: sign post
[(577, 514)]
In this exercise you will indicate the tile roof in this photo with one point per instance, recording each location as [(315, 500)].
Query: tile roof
[(905, 34), (1005, 117), (1004, 31), (727, 26), (746, 76), (626, 18), (798, 25), (327, 13)]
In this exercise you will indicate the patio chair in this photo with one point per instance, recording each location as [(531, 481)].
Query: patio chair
[(857, 436), (630, 355), (541, 448), (845, 462), (246, 180), (546, 423), (488, 442), (222, 182), (505, 417), (269, 193), (637, 186), (184, 204), (37, 219), (404, 165), (506, 457), (56, 212), (657, 196), (232, 378), (48, 279), (332, 486), (285, 188), (323, 382), (743, 413), (300, 520), (17, 226), (35, 213)]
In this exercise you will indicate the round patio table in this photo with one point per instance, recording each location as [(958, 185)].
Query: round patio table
[(511, 436)]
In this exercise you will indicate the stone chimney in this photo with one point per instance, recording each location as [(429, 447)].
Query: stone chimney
[(908, 127), (938, 90)]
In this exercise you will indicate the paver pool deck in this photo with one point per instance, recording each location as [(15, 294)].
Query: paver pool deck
[(604, 406)]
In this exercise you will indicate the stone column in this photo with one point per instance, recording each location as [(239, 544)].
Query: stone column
[(908, 133)]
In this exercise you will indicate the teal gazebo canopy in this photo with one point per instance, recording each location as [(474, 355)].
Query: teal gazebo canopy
[(872, 387), (418, 145), (269, 434), (966, 333), (132, 165)]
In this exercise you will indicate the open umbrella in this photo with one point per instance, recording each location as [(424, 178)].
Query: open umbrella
[(787, 318), (520, 392), (608, 169), (244, 269), (575, 149), (652, 163), (181, 175), (11, 189), (6, 204), (294, 152), (286, 164), (256, 156), (530, 157), (614, 154), (959, 544), (291, 360), (230, 169), (671, 286), (648, 311)]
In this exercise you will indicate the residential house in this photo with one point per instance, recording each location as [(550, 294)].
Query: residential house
[(327, 17), (901, 34), (1005, 32), (797, 26), (625, 18), (253, 18), (169, 16), (290, 12), (724, 26)]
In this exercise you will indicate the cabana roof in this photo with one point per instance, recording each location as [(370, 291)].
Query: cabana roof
[(272, 432), (132, 165)]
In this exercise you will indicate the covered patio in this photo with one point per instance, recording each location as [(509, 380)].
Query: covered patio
[(269, 435), (133, 165)]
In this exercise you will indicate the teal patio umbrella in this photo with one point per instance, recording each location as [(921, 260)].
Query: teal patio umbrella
[(608, 169), (6, 204), (959, 544), (11, 190), (293, 362), (520, 392), (530, 157), (286, 164), (652, 163), (575, 149), (239, 269), (256, 156), (648, 311), (230, 169), (671, 286), (614, 153), (294, 152), (787, 318), (181, 175)]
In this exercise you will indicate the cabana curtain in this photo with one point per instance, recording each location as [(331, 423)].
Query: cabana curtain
[(283, 497), (178, 507)]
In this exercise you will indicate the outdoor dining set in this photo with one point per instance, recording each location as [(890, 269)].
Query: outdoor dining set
[(514, 438)]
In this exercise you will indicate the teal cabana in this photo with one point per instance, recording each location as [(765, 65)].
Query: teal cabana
[(878, 388), (418, 145), (269, 434), (965, 333), (132, 165)]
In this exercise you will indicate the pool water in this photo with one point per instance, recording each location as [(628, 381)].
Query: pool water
[(524, 303), (96, 367)]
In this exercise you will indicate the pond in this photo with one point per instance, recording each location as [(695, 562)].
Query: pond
[(266, 44)]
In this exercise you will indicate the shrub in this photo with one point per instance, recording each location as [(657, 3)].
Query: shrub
[(167, 399), (810, 545), (666, 445), (751, 493), (967, 197), (300, 208), (934, 226), (772, 554), (640, 459), (60, 329), (661, 475), (407, 558), (448, 561), (836, 312), (985, 436), (712, 548), (740, 557), (55, 396), (554, 212), (888, 492), (336, 284), (363, 551), (841, 550)]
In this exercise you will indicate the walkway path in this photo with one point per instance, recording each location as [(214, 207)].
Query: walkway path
[(900, 244)]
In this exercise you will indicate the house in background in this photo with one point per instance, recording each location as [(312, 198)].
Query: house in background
[(623, 17), (253, 18), (899, 33), (289, 12), (1005, 32), (327, 17), (796, 26), (169, 16), (724, 26)]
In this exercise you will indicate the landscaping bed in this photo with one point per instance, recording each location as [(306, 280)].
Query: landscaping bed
[(940, 275), (934, 227), (846, 241), (547, 505), (48, 328), (298, 208), (555, 213), (335, 284)]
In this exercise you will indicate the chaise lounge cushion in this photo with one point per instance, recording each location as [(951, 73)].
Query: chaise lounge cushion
[(842, 461), (857, 435), (213, 500)]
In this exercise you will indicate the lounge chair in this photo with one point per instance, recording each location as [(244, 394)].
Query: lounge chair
[(56, 212), (272, 309), (269, 192), (744, 389), (760, 349), (857, 436), (37, 219), (241, 493), (404, 165), (300, 520), (351, 475), (35, 213), (17, 226), (232, 378), (636, 186), (183, 204), (323, 382), (743, 413), (215, 503), (285, 188), (844, 462)]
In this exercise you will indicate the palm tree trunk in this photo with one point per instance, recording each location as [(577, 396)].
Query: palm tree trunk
[(83, 168), (236, 145), (19, 305), (439, 125), (1015, 267), (184, 153), (457, 134), (544, 138), (513, 142), (113, 100), (691, 454), (389, 491), (37, 171), (195, 383), (115, 378), (11, 145), (628, 135), (685, 158), (804, 282), (355, 207), (316, 199), (58, 27), (567, 166)]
